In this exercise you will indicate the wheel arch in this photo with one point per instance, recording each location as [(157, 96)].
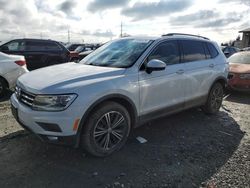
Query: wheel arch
[(5, 80), (120, 99), (221, 80)]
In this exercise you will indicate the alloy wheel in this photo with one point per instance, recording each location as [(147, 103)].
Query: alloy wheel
[(217, 97), (110, 130)]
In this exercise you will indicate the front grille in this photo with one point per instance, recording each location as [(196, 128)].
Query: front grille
[(25, 97)]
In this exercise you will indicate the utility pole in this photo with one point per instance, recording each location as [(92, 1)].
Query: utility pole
[(68, 35), (121, 30)]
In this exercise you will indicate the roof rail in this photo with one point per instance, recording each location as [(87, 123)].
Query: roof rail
[(172, 34)]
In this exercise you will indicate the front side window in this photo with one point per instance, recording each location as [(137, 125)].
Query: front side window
[(121, 53), (168, 52), (193, 50)]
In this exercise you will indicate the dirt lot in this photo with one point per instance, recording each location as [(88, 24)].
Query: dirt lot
[(189, 149)]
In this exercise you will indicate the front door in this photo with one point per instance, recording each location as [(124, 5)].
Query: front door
[(163, 91)]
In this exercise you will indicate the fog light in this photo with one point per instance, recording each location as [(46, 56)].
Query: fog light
[(52, 138)]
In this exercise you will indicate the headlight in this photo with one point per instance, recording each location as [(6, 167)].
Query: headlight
[(245, 76), (53, 102)]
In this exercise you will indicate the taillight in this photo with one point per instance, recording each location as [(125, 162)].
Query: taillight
[(21, 62)]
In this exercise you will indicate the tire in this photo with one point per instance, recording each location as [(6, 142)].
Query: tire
[(3, 87), (215, 99), (106, 129)]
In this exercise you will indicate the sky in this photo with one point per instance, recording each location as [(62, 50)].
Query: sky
[(100, 20)]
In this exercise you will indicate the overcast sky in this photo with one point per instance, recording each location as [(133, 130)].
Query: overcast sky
[(99, 20)]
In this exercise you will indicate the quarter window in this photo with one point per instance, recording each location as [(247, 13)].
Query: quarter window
[(168, 52), (15, 46), (193, 50), (212, 50)]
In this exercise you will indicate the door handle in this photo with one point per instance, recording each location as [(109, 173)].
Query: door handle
[(211, 65), (181, 71)]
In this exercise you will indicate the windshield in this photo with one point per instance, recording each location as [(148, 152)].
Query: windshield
[(80, 48), (120, 53), (241, 58)]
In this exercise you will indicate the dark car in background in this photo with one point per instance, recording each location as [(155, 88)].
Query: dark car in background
[(229, 50), (37, 52), (73, 46)]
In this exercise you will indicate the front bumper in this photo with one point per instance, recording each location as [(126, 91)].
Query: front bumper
[(52, 127), (238, 84)]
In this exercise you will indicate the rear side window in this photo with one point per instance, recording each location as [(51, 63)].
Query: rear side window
[(35, 46), (193, 50), (212, 50), (41, 46), (168, 52)]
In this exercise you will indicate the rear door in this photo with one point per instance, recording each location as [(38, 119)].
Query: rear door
[(35, 53), (199, 71), (163, 91)]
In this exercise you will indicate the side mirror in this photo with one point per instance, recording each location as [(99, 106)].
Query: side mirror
[(155, 65), (4, 49)]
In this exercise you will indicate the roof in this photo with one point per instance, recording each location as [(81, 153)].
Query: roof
[(245, 30)]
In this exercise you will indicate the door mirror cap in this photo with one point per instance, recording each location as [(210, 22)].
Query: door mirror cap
[(155, 65)]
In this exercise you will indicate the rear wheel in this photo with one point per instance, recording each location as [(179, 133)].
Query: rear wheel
[(215, 99), (106, 130), (3, 87)]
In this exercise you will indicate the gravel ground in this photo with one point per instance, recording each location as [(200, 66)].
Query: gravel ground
[(189, 149)]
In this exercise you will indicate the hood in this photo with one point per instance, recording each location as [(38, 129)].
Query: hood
[(65, 77), (239, 68)]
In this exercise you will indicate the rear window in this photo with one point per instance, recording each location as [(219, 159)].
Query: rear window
[(193, 50)]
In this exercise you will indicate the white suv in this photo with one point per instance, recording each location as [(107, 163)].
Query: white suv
[(96, 103)]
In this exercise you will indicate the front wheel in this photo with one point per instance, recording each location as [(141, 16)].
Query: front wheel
[(215, 99), (106, 130), (3, 87)]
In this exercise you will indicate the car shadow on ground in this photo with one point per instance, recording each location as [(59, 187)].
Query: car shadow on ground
[(239, 97), (6, 96), (182, 150)]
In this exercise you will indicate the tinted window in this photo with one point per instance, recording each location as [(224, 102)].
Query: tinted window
[(168, 52), (212, 50), (52, 46), (193, 50), (35, 46)]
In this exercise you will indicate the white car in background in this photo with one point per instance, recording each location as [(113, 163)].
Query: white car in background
[(11, 67)]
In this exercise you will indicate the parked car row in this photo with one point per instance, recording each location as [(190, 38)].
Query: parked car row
[(42, 53), (229, 50), (38, 53)]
